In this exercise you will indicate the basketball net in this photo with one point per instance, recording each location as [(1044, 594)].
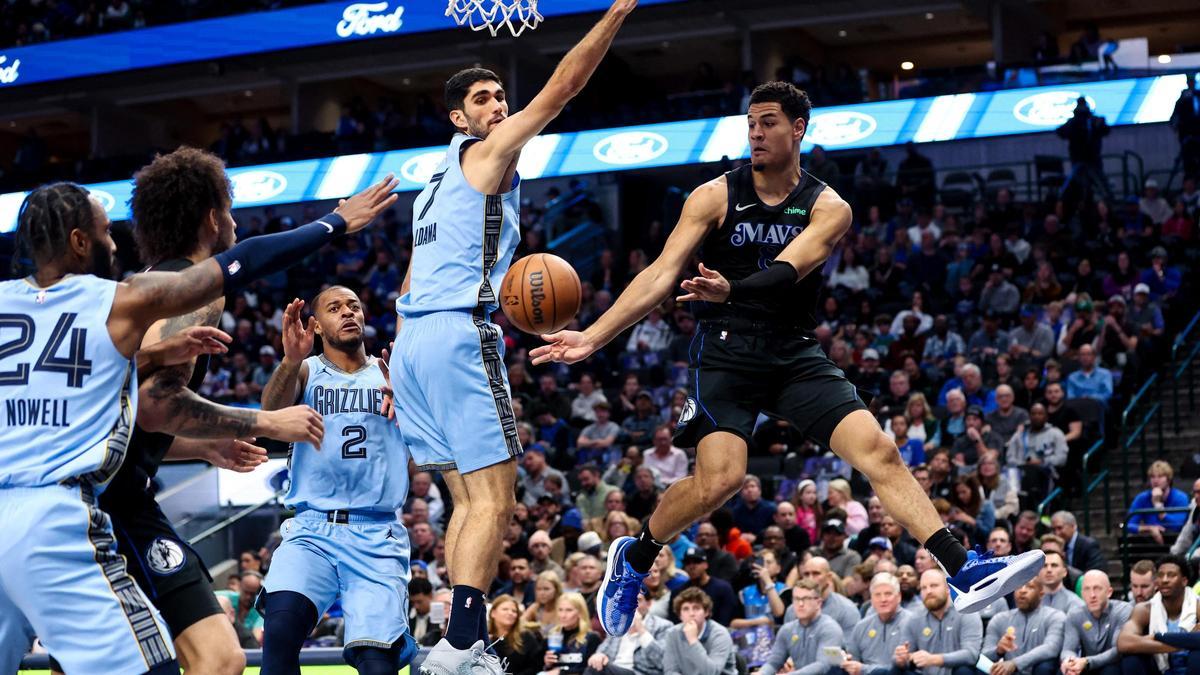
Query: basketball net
[(492, 15)]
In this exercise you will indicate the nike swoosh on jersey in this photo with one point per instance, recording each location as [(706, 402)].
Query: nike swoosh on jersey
[(739, 207)]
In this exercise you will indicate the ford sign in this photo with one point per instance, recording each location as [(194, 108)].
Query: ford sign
[(363, 18), (8, 73), (105, 198), (1049, 109), (840, 128), (419, 169), (630, 147), (257, 186)]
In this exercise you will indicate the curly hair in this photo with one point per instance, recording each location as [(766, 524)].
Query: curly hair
[(171, 197)]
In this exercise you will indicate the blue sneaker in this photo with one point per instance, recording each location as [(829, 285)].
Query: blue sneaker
[(986, 577), (617, 601)]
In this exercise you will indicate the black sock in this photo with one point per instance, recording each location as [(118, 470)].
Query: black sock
[(467, 608), (641, 554), (947, 550), (483, 628)]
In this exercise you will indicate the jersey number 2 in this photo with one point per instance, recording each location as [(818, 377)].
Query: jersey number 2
[(75, 364), (356, 439)]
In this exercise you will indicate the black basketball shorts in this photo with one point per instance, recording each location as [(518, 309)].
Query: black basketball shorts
[(736, 374), (170, 572)]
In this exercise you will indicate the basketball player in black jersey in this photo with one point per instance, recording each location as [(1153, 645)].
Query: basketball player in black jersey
[(181, 204), (768, 226)]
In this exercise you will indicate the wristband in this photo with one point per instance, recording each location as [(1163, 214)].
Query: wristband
[(778, 275)]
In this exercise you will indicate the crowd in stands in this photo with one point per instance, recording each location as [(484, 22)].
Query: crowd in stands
[(993, 343)]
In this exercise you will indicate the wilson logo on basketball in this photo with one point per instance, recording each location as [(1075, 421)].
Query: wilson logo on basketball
[(537, 294)]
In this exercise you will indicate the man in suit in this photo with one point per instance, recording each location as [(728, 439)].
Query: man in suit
[(1028, 639), (1081, 552)]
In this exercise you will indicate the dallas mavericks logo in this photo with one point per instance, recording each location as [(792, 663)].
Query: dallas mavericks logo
[(106, 199), (9, 74), (630, 147), (257, 185), (1048, 109), (165, 556), (840, 127), (420, 168), (688, 412), (361, 19), (760, 233)]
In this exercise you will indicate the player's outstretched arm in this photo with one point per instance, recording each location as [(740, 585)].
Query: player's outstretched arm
[(183, 348), (234, 454), (830, 220), (701, 212), (290, 376), (146, 298), (569, 78)]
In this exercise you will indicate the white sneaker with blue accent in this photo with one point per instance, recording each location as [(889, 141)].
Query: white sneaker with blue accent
[(617, 600), (986, 577), (444, 659)]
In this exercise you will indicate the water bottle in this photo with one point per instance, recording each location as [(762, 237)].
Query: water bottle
[(555, 642)]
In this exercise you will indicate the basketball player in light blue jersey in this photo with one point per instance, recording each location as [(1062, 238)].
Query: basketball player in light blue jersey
[(68, 395), (345, 539), (451, 390)]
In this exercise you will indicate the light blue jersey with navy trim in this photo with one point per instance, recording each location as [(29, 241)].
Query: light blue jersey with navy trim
[(463, 240), (69, 396), (362, 464)]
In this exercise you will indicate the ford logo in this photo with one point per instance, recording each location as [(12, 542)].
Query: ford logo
[(106, 199), (364, 18), (9, 73), (257, 185), (840, 128), (1048, 109), (630, 147), (420, 168)]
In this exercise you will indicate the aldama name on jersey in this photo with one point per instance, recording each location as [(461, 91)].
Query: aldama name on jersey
[(763, 233)]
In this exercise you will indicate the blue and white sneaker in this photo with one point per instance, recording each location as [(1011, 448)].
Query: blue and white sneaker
[(617, 601), (986, 577)]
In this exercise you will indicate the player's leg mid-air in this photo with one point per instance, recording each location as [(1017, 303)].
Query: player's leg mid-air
[(345, 540), (755, 336), (451, 390)]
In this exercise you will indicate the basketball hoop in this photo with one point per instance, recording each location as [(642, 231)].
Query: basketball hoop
[(494, 14)]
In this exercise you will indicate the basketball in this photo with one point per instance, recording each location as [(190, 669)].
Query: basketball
[(540, 293)]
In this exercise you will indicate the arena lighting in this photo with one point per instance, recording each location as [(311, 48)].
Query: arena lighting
[(906, 65), (241, 35), (1146, 100), (1164, 58)]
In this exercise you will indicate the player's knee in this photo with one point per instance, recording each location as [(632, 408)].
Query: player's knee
[(228, 661), (716, 489), (884, 455)]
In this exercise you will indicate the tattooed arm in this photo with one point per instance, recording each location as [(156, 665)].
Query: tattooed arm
[(166, 405)]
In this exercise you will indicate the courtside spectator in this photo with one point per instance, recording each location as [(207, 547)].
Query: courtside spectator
[(802, 640), (833, 604), (1160, 495), (1083, 553), (664, 459), (751, 512), (1159, 635), (873, 641), (1027, 639), (578, 641), (937, 638), (698, 645), (1054, 594), (833, 550), (1143, 581), (1090, 633), (638, 652), (724, 605)]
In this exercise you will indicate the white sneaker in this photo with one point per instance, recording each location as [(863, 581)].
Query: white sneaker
[(444, 659)]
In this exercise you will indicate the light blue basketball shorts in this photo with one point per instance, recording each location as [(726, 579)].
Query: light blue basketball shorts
[(61, 576), (364, 561), (452, 396)]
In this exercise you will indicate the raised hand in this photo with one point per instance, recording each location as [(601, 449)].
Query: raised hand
[(297, 338), (388, 409), (358, 211), (624, 7), (710, 286), (566, 346)]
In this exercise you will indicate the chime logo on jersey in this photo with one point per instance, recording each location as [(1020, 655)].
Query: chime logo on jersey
[(165, 556), (763, 233)]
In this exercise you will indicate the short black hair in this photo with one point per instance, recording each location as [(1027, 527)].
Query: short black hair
[(45, 221), (791, 98), (459, 85), (1177, 560), (171, 197), (419, 586)]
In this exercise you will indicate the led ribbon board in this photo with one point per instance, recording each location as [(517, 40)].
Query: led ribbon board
[(940, 118), (240, 35)]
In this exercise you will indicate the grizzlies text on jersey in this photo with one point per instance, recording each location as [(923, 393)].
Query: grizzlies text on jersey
[(362, 464)]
